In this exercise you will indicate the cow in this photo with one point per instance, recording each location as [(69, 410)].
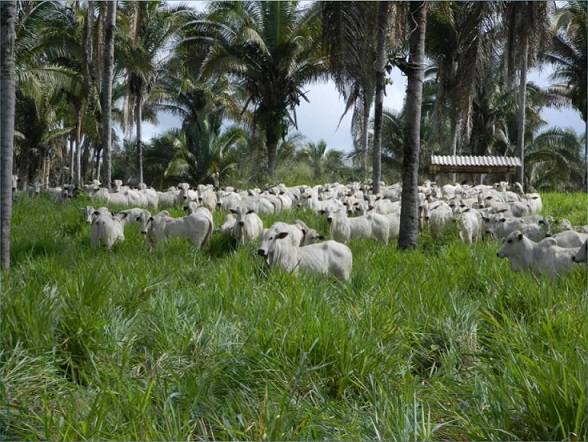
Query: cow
[(580, 255), (539, 258), (330, 257), (197, 227), (89, 213), (106, 230), (248, 226), (344, 229)]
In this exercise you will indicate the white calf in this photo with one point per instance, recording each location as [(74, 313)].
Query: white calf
[(330, 257), (469, 224)]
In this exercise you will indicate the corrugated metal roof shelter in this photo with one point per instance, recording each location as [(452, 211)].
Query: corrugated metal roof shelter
[(473, 164)]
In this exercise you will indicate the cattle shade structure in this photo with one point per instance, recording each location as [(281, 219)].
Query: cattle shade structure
[(473, 164)]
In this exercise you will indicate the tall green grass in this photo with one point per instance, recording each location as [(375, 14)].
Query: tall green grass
[(444, 342)]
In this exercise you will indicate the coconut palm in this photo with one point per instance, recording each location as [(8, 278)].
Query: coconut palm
[(7, 104), (151, 29), (568, 54), (315, 154), (527, 25), (414, 69), (106, 92), (272, 49), (555, 161)]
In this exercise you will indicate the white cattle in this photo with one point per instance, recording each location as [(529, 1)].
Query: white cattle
[(197, 227), (226, 200), (169, 198), (534, 202), (228, 225), (570, 239), (439, 216), (469, 224), (580, 255), (248, 226), (187, 193), (117, 186), (89, 213), (344, 229), (15, 180), (330, 257), (543, 257), (260, 205), (106, 230), (207, 197), (500, 227), (295, 235)]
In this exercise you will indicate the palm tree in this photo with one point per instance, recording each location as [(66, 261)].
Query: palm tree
[(414, 69), (459, 43), (272, 49), (568, 55), (349, 36), (106, 92), (527, 24), (555, 161), (7, 104), (315, 153), (152, 26)]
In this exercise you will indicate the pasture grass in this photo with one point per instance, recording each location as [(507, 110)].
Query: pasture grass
[(441, 343)]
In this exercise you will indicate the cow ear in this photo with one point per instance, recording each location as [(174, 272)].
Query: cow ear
[(322, 212), (466, 210), (321, 237), (96, 213), (282, 235), (250, 211), (150, 218), (233, 211), (124, 214), (304, 232), (520, 236), (185, 208), (502, 220)]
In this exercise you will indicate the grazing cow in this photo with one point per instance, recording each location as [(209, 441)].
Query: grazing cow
[(228, 225), (580, 255), (248, 226), (106, 230), (344, 229), (543, 257), (439, 216), (197, 227), (330, 257)]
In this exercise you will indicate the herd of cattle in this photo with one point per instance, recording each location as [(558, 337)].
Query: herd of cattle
[(530, 241)]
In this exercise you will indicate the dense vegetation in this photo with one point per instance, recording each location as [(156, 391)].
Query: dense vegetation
[(441, 343), (235, 72)]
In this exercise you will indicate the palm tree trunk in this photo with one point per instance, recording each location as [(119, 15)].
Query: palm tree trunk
[(455, 127), (409, 212), (271, 141), (7, 104), (365, 136), (520, 176), (379, 101), (106, 93), (138, 120), (78, 148)]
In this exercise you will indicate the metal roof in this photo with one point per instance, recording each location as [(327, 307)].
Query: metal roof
[(473, 164), (469, 160)]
